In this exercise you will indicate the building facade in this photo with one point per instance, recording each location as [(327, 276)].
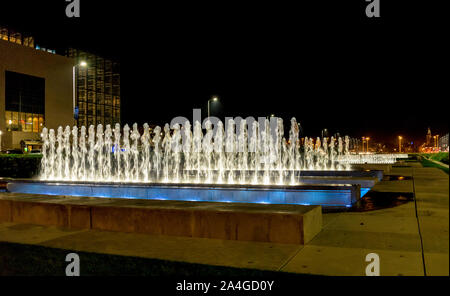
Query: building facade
[(35, 91), (97, 89), (443, 143), (41, 88), (428, 138)]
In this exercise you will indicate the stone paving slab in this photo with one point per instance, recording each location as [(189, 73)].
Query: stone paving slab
[(372, 223), (437, 264), (367, 240), (265, 256), (432, 195), (394, 186), (326, 260), (397, 171), (31, 233), (403, 210)]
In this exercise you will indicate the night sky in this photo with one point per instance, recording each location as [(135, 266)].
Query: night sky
[(324, 63)]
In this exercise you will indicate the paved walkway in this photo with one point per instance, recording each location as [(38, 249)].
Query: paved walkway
[(407, 244), (395, 234)]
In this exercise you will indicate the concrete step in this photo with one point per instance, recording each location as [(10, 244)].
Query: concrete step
[(292, 224)]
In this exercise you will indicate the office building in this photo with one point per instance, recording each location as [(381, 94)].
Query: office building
[(41, 88)]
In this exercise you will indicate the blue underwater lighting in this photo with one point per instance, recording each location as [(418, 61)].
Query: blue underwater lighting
[(336, 195), (364, 191)]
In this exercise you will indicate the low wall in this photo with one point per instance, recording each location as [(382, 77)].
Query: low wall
[(291, 224), (362, 172), (386, 168)]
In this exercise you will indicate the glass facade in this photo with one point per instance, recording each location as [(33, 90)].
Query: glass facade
[(24, 102), (97, 90), (16, 37), (443, 143)]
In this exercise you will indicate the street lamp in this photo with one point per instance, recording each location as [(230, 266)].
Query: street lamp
[(74, 86), (214, 99), (363, 141), (367, 139), (324, 133), (400, 144)]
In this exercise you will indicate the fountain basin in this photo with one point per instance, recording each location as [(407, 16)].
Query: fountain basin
[(366, 183), (332, 195)]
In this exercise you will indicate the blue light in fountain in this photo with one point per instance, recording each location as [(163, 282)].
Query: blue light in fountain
[(248, 163)]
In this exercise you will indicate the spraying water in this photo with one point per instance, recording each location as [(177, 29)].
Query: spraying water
[(239, 154)]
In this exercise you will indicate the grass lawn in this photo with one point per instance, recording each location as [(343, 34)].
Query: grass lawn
[(427, 163), (441, 156)]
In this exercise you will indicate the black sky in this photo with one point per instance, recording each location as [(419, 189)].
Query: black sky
[(323, 62)]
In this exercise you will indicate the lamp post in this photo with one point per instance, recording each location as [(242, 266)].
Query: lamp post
[(363, 141), (367, 139), (74, 86), (214, 99), (400, 144), (270, 116), (324, 133)]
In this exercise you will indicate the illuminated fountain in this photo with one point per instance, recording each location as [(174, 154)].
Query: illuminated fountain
[(236, 162), (180, 155), (370, 158)]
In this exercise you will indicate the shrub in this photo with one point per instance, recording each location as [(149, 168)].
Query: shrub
[(19, 165)]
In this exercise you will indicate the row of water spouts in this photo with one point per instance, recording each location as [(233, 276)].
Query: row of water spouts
[(370, 158), (183, 155)]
